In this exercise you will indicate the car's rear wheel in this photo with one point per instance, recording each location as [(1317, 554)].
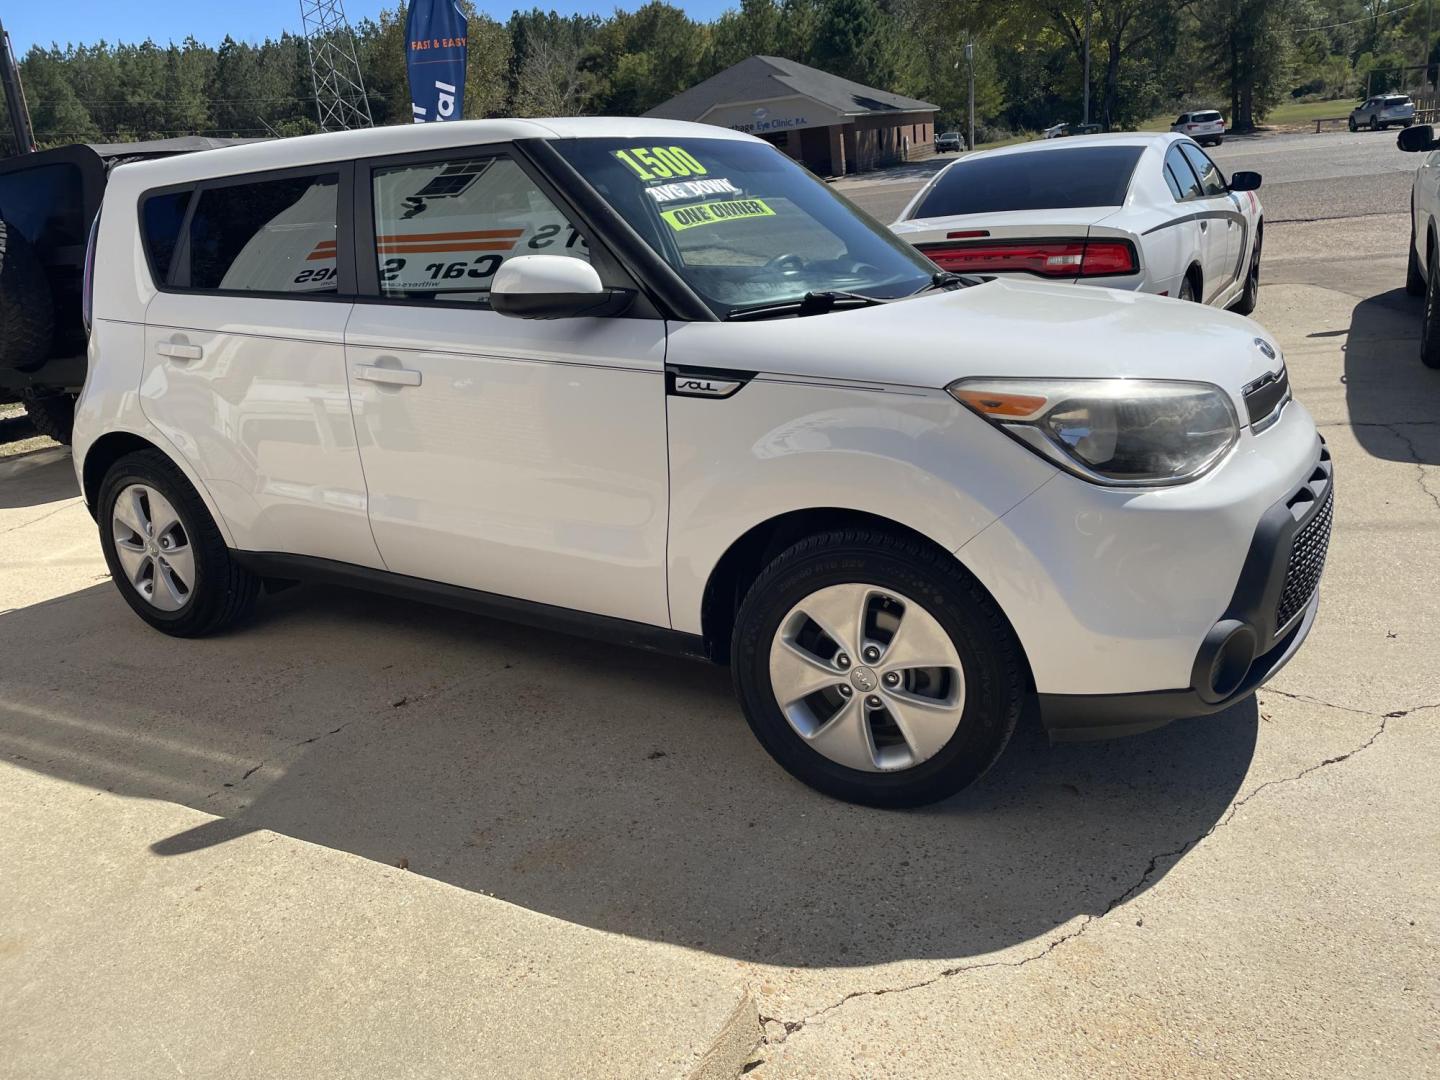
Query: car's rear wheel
[(51, 413), (876, 669), (164, 551), (1374, 124), (1430, 328), (1187, 289)]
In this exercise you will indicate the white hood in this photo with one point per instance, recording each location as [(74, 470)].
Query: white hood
[(1003, 327)]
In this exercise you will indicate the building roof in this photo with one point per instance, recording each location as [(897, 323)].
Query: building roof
[(759, 78)]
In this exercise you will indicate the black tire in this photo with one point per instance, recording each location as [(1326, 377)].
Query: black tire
[(1414, 279), (1251, 296), (1374, 124), (990, 657), (51, 413), (27, 311), (1220, 141), (223, 593), (1430, 328), (1353, 126), (1187, 289)]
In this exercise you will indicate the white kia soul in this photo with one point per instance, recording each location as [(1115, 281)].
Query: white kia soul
[(653, 381)]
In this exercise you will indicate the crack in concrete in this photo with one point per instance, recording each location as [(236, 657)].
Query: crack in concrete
[(792, 1026), (1394, 429)]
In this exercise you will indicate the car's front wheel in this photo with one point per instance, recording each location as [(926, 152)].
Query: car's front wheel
[(1430, 328), (876, 669), (1354, 126), (1414, 278), (164, 551)]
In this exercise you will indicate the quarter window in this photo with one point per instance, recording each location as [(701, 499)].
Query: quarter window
[(444, 228), (1211, 182), (162, 216), (267, 236)]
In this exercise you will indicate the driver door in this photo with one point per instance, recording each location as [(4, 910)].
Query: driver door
[(517, 457)]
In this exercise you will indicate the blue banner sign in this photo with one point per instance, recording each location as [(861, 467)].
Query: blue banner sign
[(435, 60)]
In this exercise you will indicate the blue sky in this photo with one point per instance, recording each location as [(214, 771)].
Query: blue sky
[(88, 21)]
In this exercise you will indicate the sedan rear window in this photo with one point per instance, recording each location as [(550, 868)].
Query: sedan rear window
[(1034, 180)]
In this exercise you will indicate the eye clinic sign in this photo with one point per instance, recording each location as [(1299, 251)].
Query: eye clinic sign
[(772, 117), (435, 49)]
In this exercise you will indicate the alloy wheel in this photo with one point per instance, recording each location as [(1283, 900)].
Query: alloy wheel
[(867, 677), (153, 547)]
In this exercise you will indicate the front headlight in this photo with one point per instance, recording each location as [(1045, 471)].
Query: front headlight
[(1118, 432)]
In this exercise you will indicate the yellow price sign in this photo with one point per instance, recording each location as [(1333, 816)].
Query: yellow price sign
[(713, 213)]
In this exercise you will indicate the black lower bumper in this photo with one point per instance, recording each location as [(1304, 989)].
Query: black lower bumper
[(1269, 615), (1081, 717)]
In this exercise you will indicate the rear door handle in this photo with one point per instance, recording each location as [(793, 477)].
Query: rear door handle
[(388, 375), (177, 351), (1204, 226)]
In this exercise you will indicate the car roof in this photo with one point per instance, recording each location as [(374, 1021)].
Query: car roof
[(407, 138), (1153, 139)]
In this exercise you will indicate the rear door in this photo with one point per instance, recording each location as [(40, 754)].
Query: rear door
[(1219, 220), (520, 457), (244, 355)]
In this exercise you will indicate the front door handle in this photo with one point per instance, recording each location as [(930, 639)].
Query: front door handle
[(1204, 226), (388, 375), (177, 351)]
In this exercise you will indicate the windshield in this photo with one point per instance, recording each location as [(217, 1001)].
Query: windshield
[(1032, 180), (743, 224)]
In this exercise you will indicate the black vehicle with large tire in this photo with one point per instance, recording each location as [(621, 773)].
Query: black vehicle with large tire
[(48, 202)]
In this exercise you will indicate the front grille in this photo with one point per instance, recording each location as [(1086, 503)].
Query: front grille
[(1307, 559), (1265, 396)]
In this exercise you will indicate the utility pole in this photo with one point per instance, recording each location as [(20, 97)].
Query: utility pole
[(15, 98), (1088, 5), (970, 61)]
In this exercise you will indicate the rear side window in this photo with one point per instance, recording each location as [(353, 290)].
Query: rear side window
[(1211, 182), (161, 217), (1180, 176), (267, 236), (1034, 180), (443, 228)]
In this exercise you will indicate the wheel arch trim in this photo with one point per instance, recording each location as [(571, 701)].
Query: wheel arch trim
[(116, 443)]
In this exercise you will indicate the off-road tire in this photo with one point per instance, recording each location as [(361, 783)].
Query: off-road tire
[(223, 592), (51, 413), (27, 310), (991, 659)]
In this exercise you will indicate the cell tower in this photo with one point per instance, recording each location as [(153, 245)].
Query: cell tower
[(340, 101)]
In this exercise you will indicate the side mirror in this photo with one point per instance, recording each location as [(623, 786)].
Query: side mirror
[(1245, 181), (553, 287), (1416, 140)]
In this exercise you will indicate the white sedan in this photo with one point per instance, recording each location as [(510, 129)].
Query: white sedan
[(1144, 212)]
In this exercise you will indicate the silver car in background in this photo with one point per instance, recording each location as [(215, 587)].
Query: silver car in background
[(1204, 126), (1382, 110)]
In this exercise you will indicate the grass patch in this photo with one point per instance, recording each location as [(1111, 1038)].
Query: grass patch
[(1295, 112)]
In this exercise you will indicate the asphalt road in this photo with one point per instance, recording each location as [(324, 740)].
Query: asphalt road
[(1307, 177)]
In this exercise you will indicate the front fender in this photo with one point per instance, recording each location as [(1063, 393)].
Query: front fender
[(911, 456)]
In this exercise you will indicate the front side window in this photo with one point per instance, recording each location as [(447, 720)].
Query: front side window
[(1183, 118), (442, 229), (1033, 180), (274, 236), (1211, 182), (743, 224)]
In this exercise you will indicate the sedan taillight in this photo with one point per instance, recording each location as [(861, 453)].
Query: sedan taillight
[(1048, 258)]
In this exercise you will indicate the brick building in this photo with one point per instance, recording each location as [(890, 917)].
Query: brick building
[(833, 125)]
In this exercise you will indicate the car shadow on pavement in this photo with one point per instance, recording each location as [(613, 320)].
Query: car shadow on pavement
[(603, 786), (1389, 393), (36, 477)]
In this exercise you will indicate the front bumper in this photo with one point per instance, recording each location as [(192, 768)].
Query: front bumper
[(1270, 613)]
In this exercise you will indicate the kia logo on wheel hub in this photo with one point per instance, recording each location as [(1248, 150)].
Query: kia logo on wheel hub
[(864, 679)]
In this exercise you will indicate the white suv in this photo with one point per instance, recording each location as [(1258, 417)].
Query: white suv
[(653, 381), (1205, 126)]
